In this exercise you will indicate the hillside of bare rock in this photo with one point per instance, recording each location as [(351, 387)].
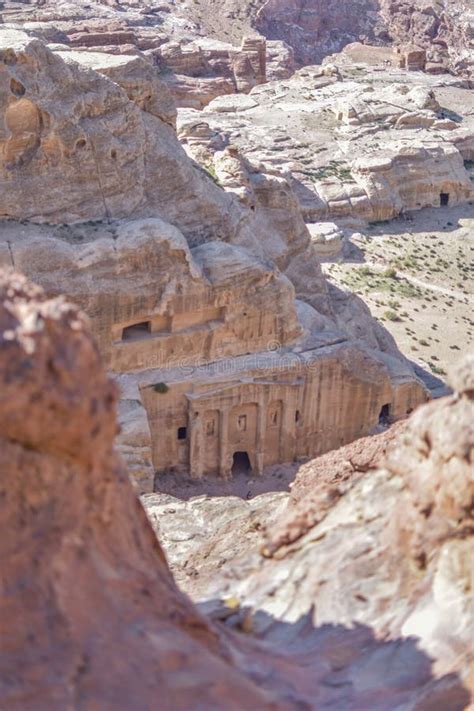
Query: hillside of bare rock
[(380, 160), (83, 577), (205, 292), (389, 546), (75, 593), (251, 226)]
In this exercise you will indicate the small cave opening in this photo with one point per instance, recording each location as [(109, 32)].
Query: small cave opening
[(17, 88), (444, 199), (384, 416), (241, 463), (136, 331), (182, 433)]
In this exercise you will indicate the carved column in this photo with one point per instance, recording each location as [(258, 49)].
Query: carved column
[(288, 429), (224, 467), (196, 453), (262, 407)]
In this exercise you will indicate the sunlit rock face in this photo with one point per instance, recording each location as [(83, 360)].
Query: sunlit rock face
[(177, 273)]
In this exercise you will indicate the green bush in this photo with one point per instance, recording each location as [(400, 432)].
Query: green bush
[(160, 388)]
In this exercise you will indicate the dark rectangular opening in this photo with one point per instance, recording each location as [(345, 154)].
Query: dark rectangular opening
[(182, 433), (297, 416), (444, 199), (241, 463), (384, 417), (136, 331)]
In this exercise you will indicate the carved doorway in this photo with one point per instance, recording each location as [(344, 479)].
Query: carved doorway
[(241, 463)]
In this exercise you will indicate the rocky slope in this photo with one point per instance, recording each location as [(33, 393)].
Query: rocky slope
[(83, 578), (386, 546), (192, 240), (309, 30), (445, 29), (315, 28), (359, 141), (74, 593)]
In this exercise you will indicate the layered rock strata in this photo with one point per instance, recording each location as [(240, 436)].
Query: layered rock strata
[(353, 151), (184, 282)]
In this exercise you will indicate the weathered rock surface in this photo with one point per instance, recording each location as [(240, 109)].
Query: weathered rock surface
[(326, 238), (137, 77), (357, 142), (75, 593), (92, 157), (83, 577), (315, 28), (309, 29), (107, 156), (445, 29), (210, 262), (388, 547), (204, 69)]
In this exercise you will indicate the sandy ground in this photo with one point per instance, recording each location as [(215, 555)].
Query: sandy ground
[(243, 485), (415, 274)]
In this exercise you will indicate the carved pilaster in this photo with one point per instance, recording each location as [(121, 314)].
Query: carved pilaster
[(224, 454), (288, 430), (196, 450), (261, 433)]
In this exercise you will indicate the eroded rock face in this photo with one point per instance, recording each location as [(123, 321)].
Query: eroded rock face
[(316, 28), (92, 157), (83, 577), (110, 156), (410, 518), (175, 300), (311, 28), (445, 30), (386, 544), (76, 591), (352, 151)]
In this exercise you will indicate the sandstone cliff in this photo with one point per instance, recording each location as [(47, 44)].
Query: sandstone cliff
[(173, 269), (114, 154), (90, 615)]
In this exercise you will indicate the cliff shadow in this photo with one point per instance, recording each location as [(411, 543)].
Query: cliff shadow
[(442, 219), (435, 385), (339, 668)]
